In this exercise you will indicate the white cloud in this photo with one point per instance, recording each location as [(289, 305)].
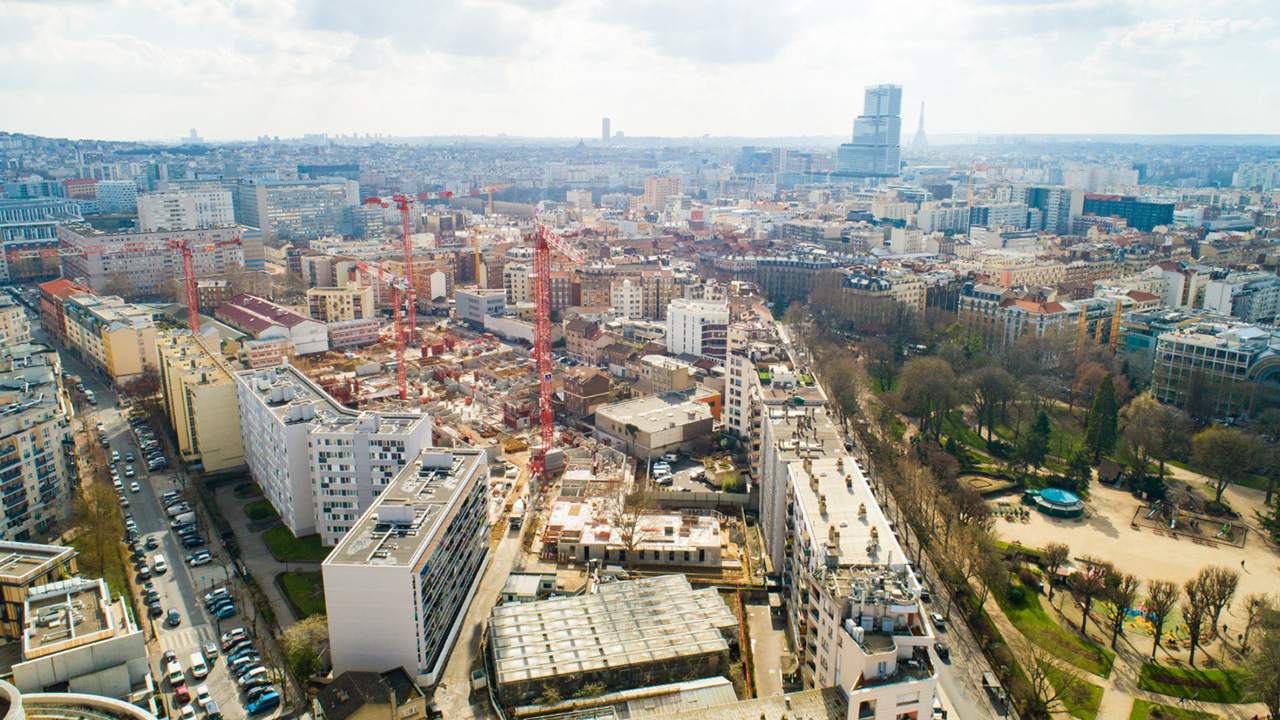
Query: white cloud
[(240, 68)]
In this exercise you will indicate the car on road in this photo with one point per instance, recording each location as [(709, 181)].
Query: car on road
[(267, 702), (173, 619), (210, 650), (187, 712), (152, 543), (135, 487), (938, 621), (943, 651), (128, 457), (128, 471), (160, 564), (203, 698)]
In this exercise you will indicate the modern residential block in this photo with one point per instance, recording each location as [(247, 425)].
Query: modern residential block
[(111, 336), (320, 463), (697, 327), (399, 584), (200, 400)]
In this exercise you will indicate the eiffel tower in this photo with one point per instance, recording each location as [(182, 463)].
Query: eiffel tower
[(919, 141)]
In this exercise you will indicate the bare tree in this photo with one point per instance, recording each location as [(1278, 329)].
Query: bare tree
[(1122, 596), (991, 389), (1089, 583), (96, 519), (1195, 610), (628, 513), (1262, 669), (1220, 586), (1049, 684), (1162, 597), (1055, 556), (1256, 607)]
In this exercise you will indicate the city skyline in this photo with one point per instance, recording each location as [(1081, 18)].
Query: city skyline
[(244, 68)]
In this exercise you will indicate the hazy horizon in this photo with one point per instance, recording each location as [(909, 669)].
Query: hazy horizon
[(237, 69)]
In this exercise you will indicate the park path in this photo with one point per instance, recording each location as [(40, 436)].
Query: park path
[(1120, 688)]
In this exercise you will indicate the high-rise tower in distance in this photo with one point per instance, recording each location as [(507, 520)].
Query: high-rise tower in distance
[(920, 141), (604, 130), (875, 150)]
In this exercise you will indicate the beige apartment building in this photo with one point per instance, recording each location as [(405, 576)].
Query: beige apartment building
[(340, 304), (111, 335), (200, 397)]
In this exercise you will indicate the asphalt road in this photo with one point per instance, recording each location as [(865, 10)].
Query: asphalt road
[(182, 587)]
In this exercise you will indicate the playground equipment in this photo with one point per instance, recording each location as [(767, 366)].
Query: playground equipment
[(1226, 530), (1154, 509)]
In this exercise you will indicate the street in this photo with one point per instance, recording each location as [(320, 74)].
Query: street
[(182, 587)]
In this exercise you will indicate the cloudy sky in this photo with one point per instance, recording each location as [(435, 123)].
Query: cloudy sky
[(236, 69)]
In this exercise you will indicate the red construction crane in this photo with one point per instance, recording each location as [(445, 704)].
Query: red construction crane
[(405, 205), (544, 241), (397, 285), (490, 190), (186, 249)]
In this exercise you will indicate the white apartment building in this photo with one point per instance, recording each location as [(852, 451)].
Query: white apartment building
[(35, 439), (472, 305), (186, 209), (1182, 287), (627, 298), (399, 584), (117, 197), (137, 265), (854, 612), (1252, 297), (697, 327), (320, 463)]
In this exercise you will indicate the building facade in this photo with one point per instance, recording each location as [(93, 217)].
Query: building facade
[(113, 337), (200, 400), (698, 327), (29, 237), (186, 209), (398, 586), (320, 463), (144, 265)]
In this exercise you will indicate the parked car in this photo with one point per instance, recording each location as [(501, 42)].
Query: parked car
[(943, 651), (173, 619), (197, 559), (203, 697), (210, 650), (154, 609), (194, 541), (264, 703), (225, 611), (135, 487), (128, 471), (938, 621), (152, 543), (115, 454), (175, 674), (161, 565)]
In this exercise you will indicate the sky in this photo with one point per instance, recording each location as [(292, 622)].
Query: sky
[(238, 69)]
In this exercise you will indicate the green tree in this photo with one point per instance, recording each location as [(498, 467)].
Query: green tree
[(1224, 454), (1100, 432), (1269, 521), (1262, 669), (1079, 472), (929, 391), (1034, 445), (303, 642)]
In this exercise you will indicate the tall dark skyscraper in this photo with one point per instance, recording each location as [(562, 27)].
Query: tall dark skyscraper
[(604, 130), (875, 150)]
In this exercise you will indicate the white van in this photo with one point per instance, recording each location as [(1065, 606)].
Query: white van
[(198, 666)]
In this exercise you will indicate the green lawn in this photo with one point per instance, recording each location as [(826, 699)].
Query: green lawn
[(1218, 686), (285, 546), (116, 572), (1257, 482), (1065, 433), (306, 590), (1143, 710), (1031, 620), (1083, 701), (247, 490), (261, 511), (955, 426)]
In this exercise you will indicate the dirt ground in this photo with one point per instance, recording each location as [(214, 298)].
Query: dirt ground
[(1105, 532)]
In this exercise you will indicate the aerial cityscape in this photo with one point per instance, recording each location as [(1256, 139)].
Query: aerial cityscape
[(567, 360)]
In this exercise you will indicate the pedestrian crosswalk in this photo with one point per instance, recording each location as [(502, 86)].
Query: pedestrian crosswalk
[(186, 639)]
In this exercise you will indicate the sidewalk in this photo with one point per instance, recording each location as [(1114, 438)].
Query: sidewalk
[(254, 554)]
